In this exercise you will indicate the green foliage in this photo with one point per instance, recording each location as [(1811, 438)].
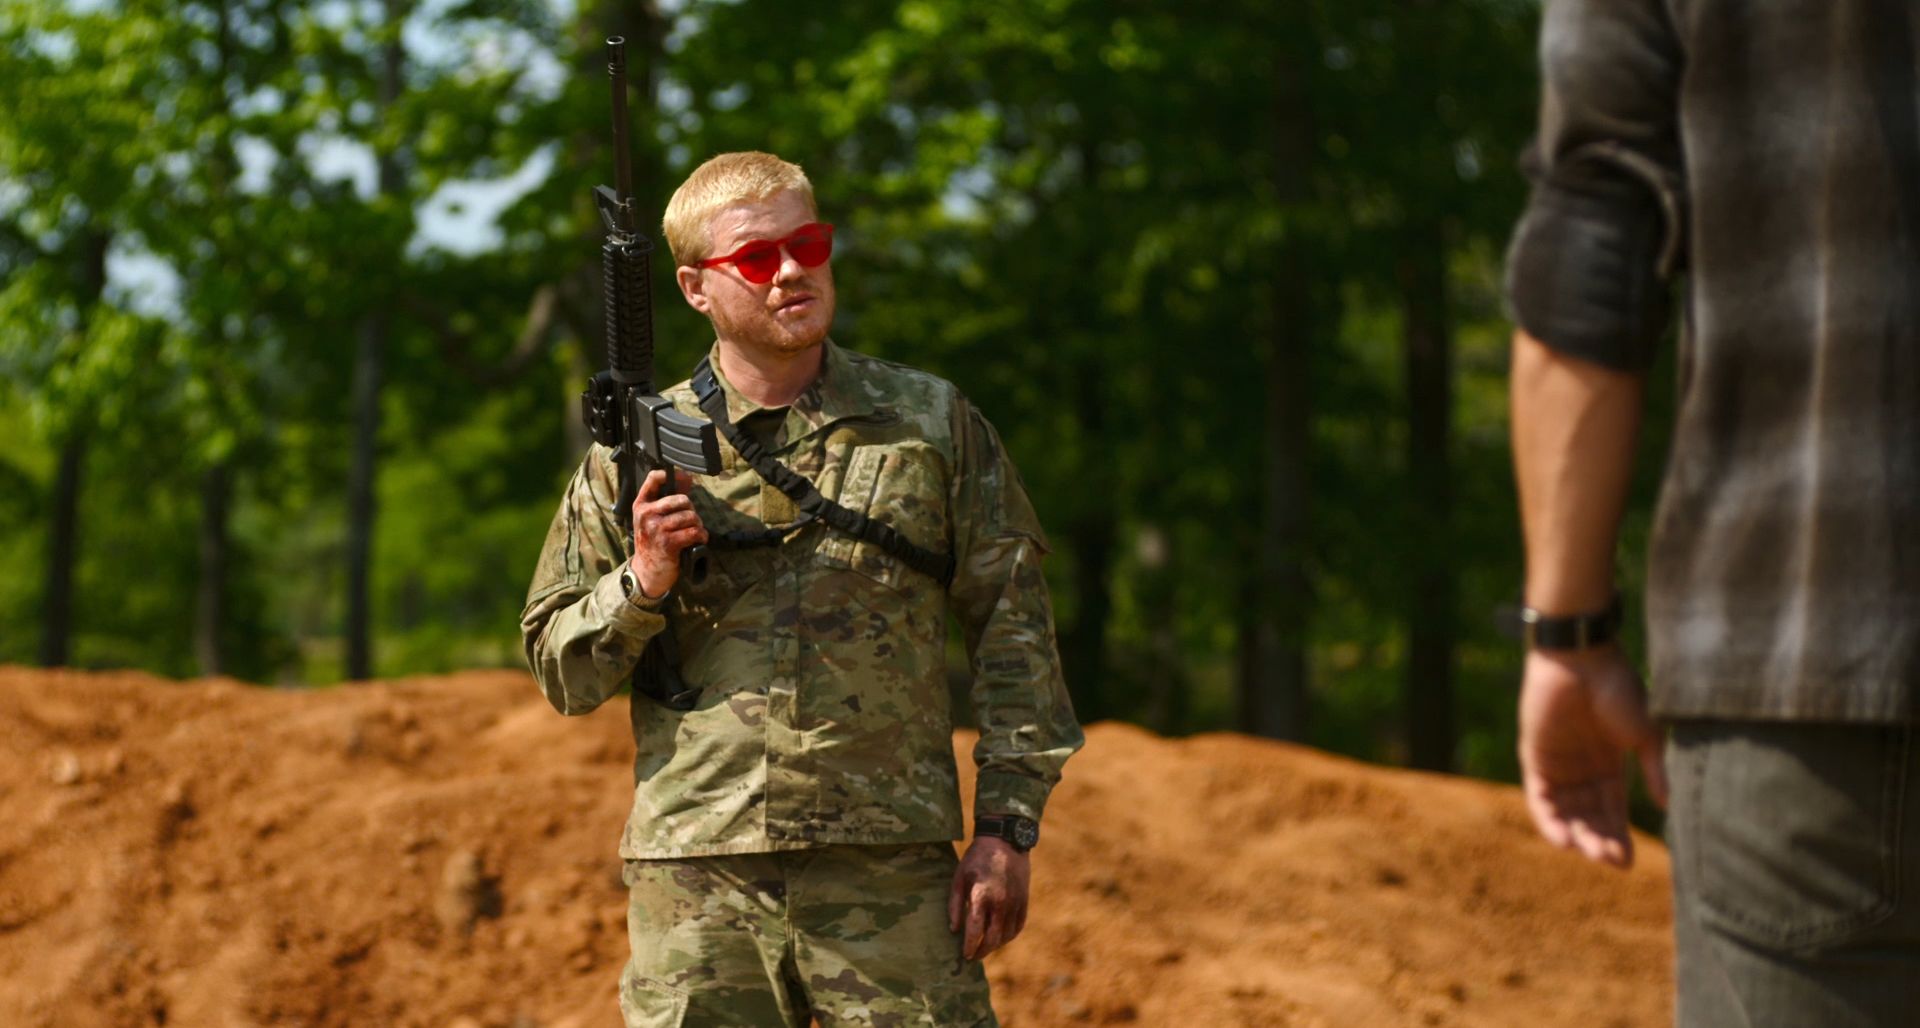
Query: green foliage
[(1077, 211)]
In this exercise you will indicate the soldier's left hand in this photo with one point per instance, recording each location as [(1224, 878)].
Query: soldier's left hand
[(989, 896)]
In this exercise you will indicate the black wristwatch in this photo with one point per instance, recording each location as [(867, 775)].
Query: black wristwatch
[(1573, 632), (1021, 833)]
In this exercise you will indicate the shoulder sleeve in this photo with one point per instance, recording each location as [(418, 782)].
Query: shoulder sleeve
[(582, 635), (999, 595), (1603, 231)]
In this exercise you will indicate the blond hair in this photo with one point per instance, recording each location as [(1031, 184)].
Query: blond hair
[(730, 178)]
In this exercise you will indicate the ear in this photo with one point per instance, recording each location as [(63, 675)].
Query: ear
[(692, 286)]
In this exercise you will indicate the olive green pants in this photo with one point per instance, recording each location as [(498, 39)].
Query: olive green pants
[(845, 935), (1796, 868)]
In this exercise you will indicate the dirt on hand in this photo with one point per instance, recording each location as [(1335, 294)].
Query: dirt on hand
[(441, 851)]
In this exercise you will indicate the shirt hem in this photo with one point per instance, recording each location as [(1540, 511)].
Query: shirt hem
[(769, 845), (1881, 703)]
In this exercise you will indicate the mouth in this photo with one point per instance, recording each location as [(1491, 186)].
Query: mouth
[(797, 305)]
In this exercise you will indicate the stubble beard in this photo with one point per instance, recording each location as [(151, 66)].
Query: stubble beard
[(768, 336)]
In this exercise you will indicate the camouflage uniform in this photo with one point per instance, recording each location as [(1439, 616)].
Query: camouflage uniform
[(823, 717), (855, 935)]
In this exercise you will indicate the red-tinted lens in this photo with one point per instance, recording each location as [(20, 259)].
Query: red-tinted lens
[(758, 262), (811, 246)]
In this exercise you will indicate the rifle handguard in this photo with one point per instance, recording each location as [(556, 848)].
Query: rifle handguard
[(624, 268)]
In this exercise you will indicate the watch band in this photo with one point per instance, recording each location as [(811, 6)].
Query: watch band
[(630, 585), (1540, 631), (1021, 833)]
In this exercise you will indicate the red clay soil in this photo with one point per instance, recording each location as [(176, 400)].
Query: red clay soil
[(440, 852)]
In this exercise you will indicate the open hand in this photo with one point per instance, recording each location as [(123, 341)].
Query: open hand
[(989, 897), (662, 527), (1580, 714)]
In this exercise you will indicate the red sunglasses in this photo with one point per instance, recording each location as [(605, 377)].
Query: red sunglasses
[(810, 244)]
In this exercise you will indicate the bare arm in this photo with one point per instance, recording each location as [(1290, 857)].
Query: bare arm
[(1589, 275), (1574, 428)]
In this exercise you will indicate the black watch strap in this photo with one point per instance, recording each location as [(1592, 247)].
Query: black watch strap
[(1021, 833), (1572, 632)]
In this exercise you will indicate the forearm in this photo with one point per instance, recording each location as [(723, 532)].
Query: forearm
[(1575, 425), (582, 648), (1027, 725), (999, 595), (581, 633)]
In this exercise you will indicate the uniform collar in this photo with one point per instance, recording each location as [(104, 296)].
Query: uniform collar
[(838, 393)]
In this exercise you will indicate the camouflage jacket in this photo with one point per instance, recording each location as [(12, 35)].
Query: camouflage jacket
[(823, 714)]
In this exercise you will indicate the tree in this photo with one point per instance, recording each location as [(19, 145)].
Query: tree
[(1425, 121), (426, 120), (68, 160)]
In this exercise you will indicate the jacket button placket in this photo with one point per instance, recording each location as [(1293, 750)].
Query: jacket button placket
[(789, 791)]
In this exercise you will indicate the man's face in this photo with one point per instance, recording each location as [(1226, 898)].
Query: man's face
[(787, 315)]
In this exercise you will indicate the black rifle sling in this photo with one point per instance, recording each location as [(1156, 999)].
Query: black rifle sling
[(753, 538), (657, 676), (807, 497)]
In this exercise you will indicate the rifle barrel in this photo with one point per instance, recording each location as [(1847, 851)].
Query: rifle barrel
[(622, 157)]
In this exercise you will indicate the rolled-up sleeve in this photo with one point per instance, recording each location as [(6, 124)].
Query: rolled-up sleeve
[(1027, 724), (583, 635), (1590, 262)]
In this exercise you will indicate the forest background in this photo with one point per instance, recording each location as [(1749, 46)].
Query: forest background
[(296, 301)]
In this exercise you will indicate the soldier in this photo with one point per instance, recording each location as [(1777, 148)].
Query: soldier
[(789, 851)]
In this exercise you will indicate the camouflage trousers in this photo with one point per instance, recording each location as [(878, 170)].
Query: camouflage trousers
[(841, 935)]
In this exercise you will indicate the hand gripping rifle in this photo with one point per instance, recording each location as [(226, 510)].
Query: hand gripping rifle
[(622, 409)]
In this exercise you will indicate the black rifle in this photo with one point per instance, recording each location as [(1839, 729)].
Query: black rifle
[(622, 409)]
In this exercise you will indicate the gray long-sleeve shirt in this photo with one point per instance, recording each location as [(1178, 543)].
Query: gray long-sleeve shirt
[(1772, 153)]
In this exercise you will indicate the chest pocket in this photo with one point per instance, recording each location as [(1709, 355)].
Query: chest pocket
[(897, 487)]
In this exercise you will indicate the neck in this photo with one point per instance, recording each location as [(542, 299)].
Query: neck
[(767, 377)]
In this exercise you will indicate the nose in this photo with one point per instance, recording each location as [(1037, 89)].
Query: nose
[(791, 270)]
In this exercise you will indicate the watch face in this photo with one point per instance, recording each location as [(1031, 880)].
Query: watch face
[(1026, 834)]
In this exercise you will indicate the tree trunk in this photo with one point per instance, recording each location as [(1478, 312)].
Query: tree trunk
[(1422, 275), (1274, 693), (368, 370), (1083, 644), (56, 631), (1273, 684), (63, 535), (646, 53), (216, 480), (1167, 692), (210, 601), (361, 501)]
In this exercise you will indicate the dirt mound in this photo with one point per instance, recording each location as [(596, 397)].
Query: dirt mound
[(440, 852)]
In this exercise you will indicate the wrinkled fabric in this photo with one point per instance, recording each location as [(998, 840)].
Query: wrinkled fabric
[(823, 715), (1792, 848), (1772, 151), (850, 936)]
